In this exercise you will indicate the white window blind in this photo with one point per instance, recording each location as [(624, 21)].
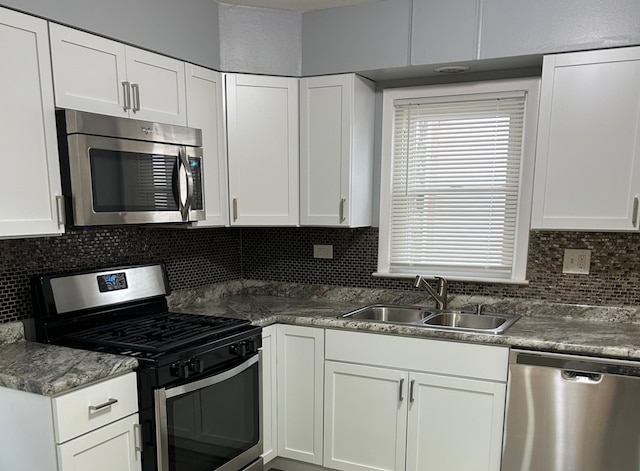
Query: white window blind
[(455, 186)]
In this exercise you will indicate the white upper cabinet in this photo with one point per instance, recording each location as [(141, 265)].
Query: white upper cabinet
[(336, 150), (588, 155), (263, 153), (205, 111), (30, 176), (99, 75), (444, 31)]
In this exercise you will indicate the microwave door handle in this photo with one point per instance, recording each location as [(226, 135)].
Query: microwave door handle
[(184, 209)]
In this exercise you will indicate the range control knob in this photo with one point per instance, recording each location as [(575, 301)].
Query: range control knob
[(180, 369), (239, 349), (196, 365)]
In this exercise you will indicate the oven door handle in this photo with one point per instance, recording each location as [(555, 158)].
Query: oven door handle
[(210, 381), (161, 396)]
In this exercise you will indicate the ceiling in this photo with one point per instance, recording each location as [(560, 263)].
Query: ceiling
[(296, 5)]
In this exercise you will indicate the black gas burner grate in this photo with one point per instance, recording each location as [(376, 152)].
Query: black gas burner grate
[(158, 333)]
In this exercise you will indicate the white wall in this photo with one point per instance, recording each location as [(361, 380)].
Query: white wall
[(185, 29), (260, 40)]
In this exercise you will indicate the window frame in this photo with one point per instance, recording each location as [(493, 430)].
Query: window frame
[(457, 92)]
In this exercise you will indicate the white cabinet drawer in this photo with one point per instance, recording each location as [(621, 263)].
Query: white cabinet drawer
[(489, 362), (86, 409)]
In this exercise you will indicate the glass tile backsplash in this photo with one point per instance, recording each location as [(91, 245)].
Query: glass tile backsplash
[(200, 257)]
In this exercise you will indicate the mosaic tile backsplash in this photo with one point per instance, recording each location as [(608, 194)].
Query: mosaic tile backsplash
[(194, 258), (287, 255), (201, 257)]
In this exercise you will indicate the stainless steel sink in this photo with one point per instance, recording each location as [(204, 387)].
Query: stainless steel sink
[(422, 317), (459, 320), (389, 313)]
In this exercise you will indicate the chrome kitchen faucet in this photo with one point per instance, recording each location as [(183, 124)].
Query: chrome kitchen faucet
[(440, 296)]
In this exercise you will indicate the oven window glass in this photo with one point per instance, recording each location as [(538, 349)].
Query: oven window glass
[(130, 181), (211, 426)]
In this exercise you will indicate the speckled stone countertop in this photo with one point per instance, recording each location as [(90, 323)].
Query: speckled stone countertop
[(48, 369), (589, 330)]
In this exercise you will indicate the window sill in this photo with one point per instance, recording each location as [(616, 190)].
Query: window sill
[(401, 276)]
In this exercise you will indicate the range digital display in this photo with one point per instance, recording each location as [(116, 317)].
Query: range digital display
[(112, 282)]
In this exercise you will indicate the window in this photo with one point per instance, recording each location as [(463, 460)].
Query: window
[(457, 174)]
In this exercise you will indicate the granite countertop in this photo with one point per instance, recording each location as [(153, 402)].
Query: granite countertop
[(588, 330), (49, 369), (600, 331)]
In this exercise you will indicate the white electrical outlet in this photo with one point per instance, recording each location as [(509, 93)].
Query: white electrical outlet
[(322, 251), (576, 261)]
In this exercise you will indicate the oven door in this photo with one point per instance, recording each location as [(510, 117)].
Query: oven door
[(212, 423), (120, 181)]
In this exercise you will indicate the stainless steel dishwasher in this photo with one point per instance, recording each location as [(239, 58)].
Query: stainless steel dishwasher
[(571, 413)]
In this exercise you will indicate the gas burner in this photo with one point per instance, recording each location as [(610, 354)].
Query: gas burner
[(157, 333)]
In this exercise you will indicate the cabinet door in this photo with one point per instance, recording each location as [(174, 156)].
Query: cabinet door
[(300, 392), (262, 125), (30, 176), (157, 87), (444, 31), (365, 417), (205, 111), (112, 447), (587, 172), (454, 423), (325, 148), (269, 394), (88, 71), (336, 150)]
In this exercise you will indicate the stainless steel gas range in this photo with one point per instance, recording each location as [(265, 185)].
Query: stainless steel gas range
[(199, 377)]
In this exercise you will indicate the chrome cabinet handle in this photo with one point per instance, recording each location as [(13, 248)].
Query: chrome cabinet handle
[(186, 207), (61, 210), (135, 89), (342, 202), (634, 218), (126, 92), (411, 387), (104, 405), (400, 395), (137, 434), (235, 208)]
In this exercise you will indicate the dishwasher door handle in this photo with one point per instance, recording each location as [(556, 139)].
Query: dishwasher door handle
[(581, 376)]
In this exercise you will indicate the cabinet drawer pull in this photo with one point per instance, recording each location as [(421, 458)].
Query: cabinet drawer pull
[(235, 209), (104, 405), (411, 386), (400, 395), (342, 202), (126, 91), (634, 218)]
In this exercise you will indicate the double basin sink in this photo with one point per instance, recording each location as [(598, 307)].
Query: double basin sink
[(492, 323)]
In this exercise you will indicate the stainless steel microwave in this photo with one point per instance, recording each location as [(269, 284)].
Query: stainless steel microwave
[(123, 171)]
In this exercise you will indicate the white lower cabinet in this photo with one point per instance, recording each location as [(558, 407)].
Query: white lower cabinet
[(300, 392), (93, 428), (454, 423), (365, 420), (112, 447), (395, 403)]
